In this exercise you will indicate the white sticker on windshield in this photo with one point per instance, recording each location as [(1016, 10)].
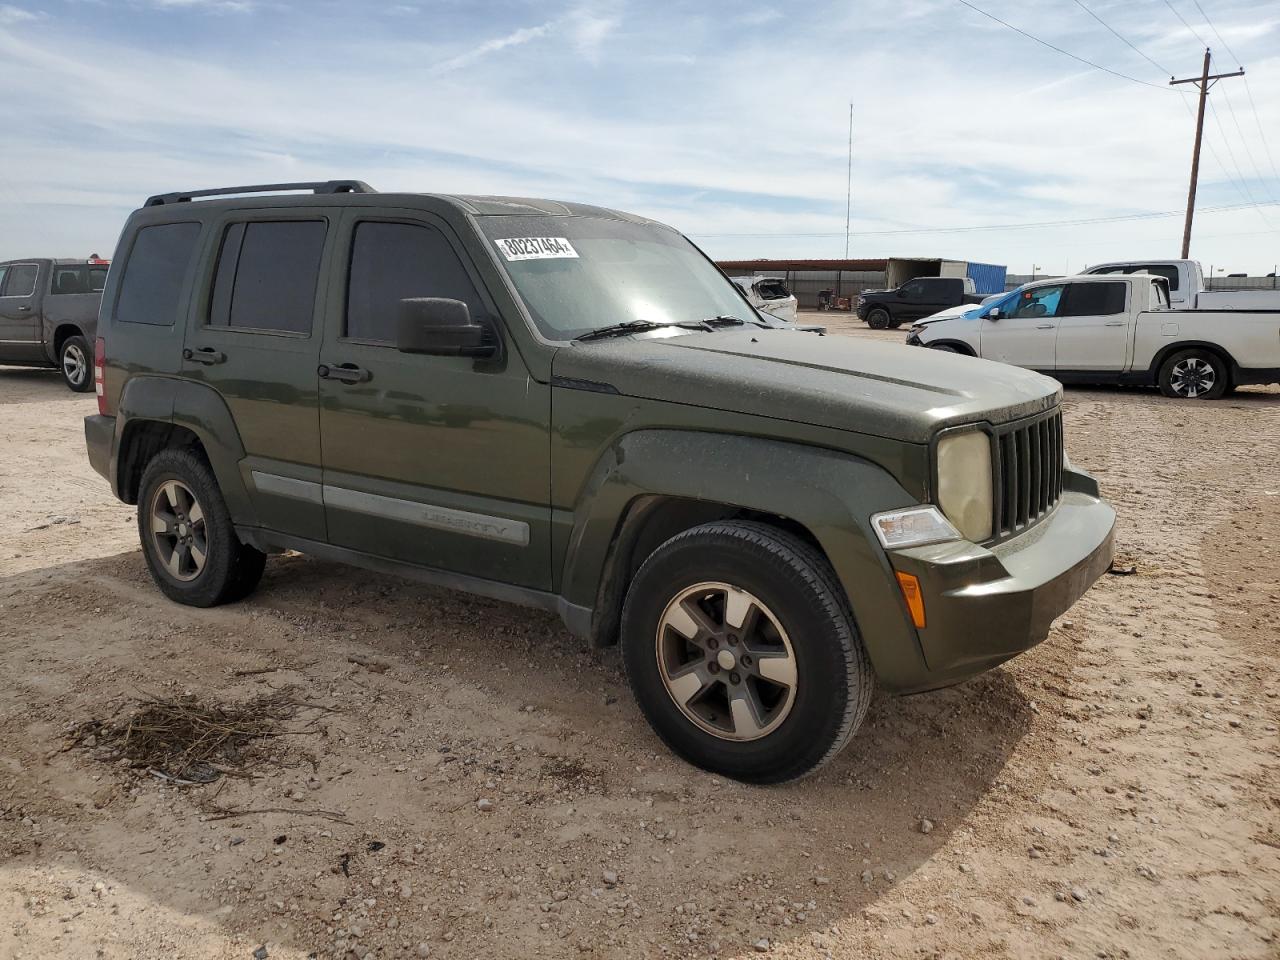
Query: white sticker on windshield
[(536, 248)]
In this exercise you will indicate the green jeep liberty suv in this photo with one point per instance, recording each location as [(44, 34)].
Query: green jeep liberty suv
[(570, 407)]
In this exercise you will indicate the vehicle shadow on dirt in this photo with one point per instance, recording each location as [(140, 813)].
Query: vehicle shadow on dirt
[(33, 385), (444, 699)]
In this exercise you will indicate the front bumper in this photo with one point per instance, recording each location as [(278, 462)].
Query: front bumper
[(913, 340), (984, 605)]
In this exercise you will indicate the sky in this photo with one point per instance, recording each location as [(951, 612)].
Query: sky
[(729, 121)]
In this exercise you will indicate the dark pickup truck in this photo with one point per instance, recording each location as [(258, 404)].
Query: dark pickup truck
[(915, 299), (49, 315)]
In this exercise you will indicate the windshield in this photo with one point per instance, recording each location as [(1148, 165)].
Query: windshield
[(577, 274)]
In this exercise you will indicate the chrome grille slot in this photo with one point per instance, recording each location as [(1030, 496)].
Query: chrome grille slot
[(1028, 472)]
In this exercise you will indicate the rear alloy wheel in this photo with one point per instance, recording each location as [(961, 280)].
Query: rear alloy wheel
[(878, 319), (741, 650), (74, 362), (187, 536), (1194, 375)]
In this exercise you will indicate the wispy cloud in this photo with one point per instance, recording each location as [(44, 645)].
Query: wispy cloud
[(10, 15), (589, 26), (513, 39)]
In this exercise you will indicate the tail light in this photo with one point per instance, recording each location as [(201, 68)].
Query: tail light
[(100, 373)]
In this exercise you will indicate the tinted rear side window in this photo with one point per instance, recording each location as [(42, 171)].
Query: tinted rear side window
[(97, 279), (21, 281), (391, 262), (1094, 299), (151, 288), (267, 275), (69, 280)]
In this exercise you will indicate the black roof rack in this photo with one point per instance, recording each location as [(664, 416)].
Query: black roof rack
[(317, 186)]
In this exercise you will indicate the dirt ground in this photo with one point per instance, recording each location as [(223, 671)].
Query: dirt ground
[(1113, 793)]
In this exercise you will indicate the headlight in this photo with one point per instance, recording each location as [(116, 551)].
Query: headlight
[(964, 482), (912, 527)]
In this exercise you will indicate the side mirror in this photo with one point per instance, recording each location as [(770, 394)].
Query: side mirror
[(993, 313), (440, 327)]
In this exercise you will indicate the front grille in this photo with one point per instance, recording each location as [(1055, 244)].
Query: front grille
[(1028, 472)]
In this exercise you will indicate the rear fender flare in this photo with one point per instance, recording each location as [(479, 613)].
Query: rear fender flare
[(831, 494), (200, 409)]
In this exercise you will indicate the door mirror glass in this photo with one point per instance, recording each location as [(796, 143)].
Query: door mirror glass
[(440, 327)]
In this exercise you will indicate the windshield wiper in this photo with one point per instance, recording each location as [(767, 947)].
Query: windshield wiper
[(635, 326), (724, 320)]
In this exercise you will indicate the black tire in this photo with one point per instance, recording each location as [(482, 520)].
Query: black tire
[(231, 570), (75, 361), (878, 319), (833, 679), (944, 348), (1194, 375)]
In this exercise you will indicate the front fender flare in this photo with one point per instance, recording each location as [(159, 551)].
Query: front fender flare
[(831, 494)]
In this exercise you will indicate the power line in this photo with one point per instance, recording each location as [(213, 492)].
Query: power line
[(1257, 118), (1194, 31), (1065, 53), (1081, 221), (1231, 53), (1245, 140), (1236, 163), (1122, 39), (1261, 130)]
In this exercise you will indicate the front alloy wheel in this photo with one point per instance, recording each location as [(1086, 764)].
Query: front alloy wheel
[(742, 651), (726, 661)]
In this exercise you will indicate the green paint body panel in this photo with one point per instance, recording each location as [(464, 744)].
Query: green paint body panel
[(537, 474)]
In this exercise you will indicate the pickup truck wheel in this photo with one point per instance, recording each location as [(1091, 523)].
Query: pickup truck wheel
[(73, 360), (1193, 375), (878, 319), (187, 536), (742, 652), (943, 348)]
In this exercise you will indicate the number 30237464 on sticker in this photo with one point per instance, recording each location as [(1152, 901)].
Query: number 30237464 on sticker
[(536, 248)]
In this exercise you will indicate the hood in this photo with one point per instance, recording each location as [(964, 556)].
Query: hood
[(962, 310), (866, 386)]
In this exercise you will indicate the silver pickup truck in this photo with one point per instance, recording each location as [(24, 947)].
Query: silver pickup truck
[(49, 315)]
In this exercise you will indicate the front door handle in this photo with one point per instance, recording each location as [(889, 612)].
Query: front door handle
[(346, 372), (206, 355), (1044, 326), (1114, 323)]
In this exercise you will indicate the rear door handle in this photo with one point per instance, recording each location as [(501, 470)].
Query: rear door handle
[(24, 309), (206, 355), (346, 372)]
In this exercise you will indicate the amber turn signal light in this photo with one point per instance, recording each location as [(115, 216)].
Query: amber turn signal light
[(910, 587)]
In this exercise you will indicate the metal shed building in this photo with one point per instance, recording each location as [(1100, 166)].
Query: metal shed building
[(848, 278)]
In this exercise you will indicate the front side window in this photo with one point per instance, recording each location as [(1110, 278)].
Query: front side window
[(67, 280), (391, 262), (151, 288), (577, 274), (913, 290), (267, 274), (1039, 302), (21, 280), (1098, 299)]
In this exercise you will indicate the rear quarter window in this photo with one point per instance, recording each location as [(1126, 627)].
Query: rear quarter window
[(152, 283)]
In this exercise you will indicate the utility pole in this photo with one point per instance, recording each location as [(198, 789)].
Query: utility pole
[(1204, 82), (848, 183)]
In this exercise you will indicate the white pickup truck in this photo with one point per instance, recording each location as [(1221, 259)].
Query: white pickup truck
[(1186, 285), (1116, 329)]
